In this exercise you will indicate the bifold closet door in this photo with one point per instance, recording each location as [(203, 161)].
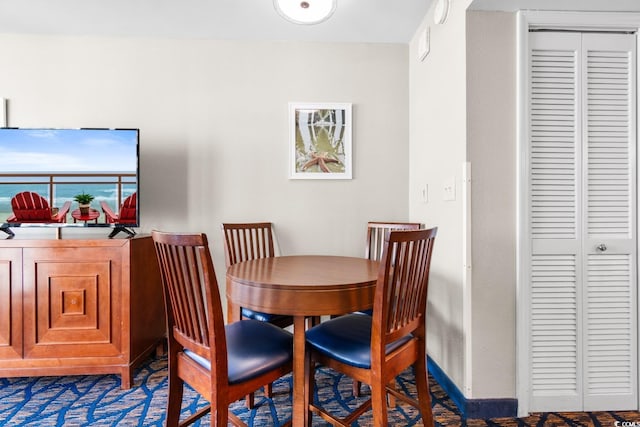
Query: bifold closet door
[(582, 221)]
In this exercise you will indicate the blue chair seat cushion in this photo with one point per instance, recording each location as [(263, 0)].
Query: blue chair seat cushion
[(258, 315), (347, 339), (253, 348)]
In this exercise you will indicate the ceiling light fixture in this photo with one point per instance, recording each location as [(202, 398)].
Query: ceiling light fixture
[(305, 12)]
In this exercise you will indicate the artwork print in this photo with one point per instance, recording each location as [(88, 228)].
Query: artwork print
[(320, 140)]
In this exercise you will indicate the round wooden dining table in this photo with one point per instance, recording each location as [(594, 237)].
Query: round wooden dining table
[(301, 286)]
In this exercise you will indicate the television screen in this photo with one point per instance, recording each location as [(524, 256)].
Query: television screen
[(69, 177)]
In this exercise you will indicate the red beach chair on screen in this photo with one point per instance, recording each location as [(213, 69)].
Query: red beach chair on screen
[(127, 214), (30, 207)]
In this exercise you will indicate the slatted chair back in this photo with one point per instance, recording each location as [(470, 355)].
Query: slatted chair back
[(30, 207), (376, 232), (247, 241), (127, 213), (401, 291), (128, 210), (244, 242), (192, 301)]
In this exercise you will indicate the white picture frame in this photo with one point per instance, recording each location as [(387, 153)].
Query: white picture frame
[(3, 113), (320, 145)]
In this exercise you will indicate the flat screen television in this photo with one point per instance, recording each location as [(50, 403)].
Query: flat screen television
[(43, 170)]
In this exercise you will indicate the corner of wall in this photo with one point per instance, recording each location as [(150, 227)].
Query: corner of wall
[(472, 408)]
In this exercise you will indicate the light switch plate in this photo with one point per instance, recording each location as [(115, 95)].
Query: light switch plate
[(449, 190)]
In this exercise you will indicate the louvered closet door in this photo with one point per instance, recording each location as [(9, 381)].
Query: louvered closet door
[(554, 153), (609, 300), (582, 197)]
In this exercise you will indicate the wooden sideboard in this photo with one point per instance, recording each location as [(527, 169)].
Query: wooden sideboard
[(79, 306)]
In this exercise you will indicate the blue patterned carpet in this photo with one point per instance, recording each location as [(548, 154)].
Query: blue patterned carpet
[(98, 401)]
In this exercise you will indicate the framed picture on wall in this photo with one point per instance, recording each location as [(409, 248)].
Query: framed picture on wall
[(320, 140)]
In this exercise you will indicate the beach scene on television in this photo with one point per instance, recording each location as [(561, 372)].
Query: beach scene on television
[(68, 176)]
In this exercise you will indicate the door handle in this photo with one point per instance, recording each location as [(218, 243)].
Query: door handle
[(601, 247)]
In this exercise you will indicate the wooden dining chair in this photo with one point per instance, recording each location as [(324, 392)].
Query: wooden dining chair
[(375, 349), (376, 232), (244, 242), (222, 363)]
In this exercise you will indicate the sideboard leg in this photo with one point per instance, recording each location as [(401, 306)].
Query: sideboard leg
[(125, 378)]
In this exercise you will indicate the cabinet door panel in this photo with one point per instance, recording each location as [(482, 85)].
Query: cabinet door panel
[(11, 304), (69, 301)]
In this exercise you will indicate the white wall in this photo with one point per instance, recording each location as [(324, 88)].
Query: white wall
[(491, 148), (437, 154), (214, 127), (462, 99)]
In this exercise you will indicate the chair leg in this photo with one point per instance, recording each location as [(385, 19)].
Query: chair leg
[(219, 416), (356, 388), (379, 403), (310, 367), (424, 396), (250, 400), (313, 321), (268, 390), (176, 388), (174, 404), (391, 398)]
